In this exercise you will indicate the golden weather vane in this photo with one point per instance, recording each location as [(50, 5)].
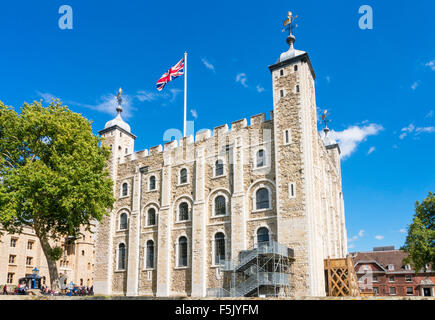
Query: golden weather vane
[(288, 23), (325, 118)]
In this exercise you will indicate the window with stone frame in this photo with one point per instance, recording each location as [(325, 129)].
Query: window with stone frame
[(29, 261), (219, 168), (123, 221), (408, 278), (14, 242), (391, 279), (409, 291), (183, 211), (183, 176), (182, 252), (262, 200), (150, 254), (122, 254), (124, 189), (220, 206), (151, 219), (12, 258), (219, 248), (262, 235), (392, 291), (261, 158), (10, 278), (152, 183), (30, 245)]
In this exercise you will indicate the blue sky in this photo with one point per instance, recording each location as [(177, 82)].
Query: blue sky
[(377, 84)]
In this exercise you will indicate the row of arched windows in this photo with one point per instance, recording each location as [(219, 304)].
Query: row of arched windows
[(262, 201), (260, 162), (182, 250)]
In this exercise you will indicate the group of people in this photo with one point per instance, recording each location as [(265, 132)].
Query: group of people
[(22, 289)]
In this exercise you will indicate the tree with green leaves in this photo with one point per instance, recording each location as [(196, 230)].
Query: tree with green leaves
[(53, 175), (420, 242)]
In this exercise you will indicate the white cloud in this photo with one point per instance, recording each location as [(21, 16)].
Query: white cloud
[(356, 237), (371, 150), (361, 233), (402, 230), (415, 85), (260, 89), (194, 113), (46, 97), (350, 138), (431, 64), (425, 130), (143, 95), (241, 77), (108, 103), (379, 237), (207, 64), (430, 114), (416, 130), (351, 246)]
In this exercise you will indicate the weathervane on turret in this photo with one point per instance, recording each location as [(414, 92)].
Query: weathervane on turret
[(325, 118), (288, 24), (119, 98)]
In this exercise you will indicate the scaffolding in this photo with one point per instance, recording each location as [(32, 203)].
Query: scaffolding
[(263, 271)]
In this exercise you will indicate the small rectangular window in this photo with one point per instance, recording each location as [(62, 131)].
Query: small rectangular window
[(409, 291), (29, 261), (287, 136), (408, 278), (281, 72), (13, 242), (12, 259), (292, 190), (281, 93), (10, 278), (30, 245), (393, 291)]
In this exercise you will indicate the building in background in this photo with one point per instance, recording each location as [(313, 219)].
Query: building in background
[(21, 253), (382, 272)]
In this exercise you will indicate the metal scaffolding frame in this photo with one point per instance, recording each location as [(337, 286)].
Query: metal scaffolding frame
[(263, 271)]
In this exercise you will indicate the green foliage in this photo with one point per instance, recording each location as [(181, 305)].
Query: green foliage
[(420, 242), (52, 173), (56, 253)]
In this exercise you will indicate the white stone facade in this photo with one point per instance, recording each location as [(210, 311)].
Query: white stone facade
[(303, 208)]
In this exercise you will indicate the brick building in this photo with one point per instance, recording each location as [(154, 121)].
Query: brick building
[(382, 272)]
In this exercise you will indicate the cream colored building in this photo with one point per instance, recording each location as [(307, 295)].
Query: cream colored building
[(184, 207), (21, 253)]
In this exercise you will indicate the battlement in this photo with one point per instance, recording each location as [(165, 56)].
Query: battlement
[(202, 136)]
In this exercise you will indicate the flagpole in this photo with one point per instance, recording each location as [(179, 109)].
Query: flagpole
[(185, 92)]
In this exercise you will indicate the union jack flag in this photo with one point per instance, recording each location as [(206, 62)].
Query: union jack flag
[(175, 72)]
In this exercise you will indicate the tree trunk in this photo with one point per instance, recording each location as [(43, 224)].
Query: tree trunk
[(52, 267)]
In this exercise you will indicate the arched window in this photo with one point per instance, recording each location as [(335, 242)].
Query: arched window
[(262, 235), (219, 168), (124, 189), (262, 199), (150, 254), (183, 176), (219, 248), (123, 221), (151, 221), (220, 206), (121, 256), (261, 158), (152, 183), (183, 211), (182, 252)]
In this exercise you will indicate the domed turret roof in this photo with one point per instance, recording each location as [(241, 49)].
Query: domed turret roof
[(118, 121)]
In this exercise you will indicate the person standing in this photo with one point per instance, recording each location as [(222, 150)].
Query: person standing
[(5, 289)]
